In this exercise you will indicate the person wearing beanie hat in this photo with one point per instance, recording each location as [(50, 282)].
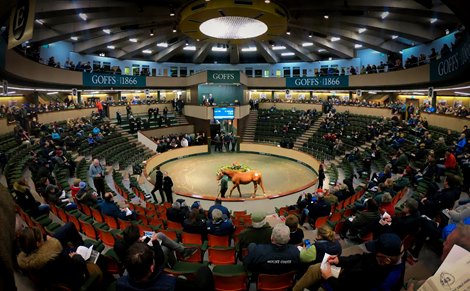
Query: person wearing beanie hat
[(259, 233), (275, 258), (380, 269)]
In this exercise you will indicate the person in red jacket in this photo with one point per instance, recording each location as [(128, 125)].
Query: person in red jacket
[(450, 163)]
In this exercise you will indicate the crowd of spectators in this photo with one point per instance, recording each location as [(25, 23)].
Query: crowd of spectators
[(174, 141)]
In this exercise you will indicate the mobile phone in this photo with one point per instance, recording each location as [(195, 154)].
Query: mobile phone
[(148, 233), (307, 243)]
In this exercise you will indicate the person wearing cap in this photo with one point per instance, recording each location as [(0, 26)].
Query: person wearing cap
[(275, 258), (380, 269), (85, 196), (218, 205), (219, 225), (259, 233)]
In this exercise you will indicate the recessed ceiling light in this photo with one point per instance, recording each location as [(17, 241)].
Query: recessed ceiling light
[(287, 54), (310, 35), (189, 48), (75, 38), (151, 32), (111, 47), (172, 12), (278, 47), (40, 21), (219, 49), (361, 30), (321, 50), (249, 49), (147, 52), (267, 1), (432, 20), (307, 44), (330, 58), (401, 52), (461, 93), (83, 16), (186, 43), (384, 14), (288, 32), (162, 44), (174, 29), (102, 55), (447, 31), (326, 16), (334, 38), (233, 27), (52, 93), (394, 36), (107, 31), (133, 39), (357, 45)]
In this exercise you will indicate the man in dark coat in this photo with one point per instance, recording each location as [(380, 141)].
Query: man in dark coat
[(158, 185)]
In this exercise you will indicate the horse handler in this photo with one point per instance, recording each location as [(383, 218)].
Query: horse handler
[(224, 185)]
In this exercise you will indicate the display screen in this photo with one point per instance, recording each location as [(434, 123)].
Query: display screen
[(224, 113)]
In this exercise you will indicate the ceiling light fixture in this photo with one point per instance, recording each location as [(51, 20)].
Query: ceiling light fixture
[(187, 43), (267, 1), (321, 50), (307, 44), (111, 47), (278, 47), (249, 49), (189, 48), (83, 16), (172, 12), (288, 32), (357, 45), (74, 38), (219, 49), (330, 58), (384, 14), (310, 35), (39, 21), (361, 30), (151, 32), (107, 31), (162, 44), (233, 27), (288, 54), (147, 52), (102, 55), (394, 36), (174, 29), (52, 93), (432, 20), (462, 93), (326, 16), (335, 38), (133, 39), (447, 31)]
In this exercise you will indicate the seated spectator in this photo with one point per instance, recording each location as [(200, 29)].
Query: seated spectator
[(197, 206), (55, 196), (386, 204), (194, 224), (259, 232), (325, 243), (131, 235), (460, 145), (109, 207), (296, 233), (445, 198), (144, 273), (362, 219), (45, 259), (86, 196), (450, 163), (275, 258), (26, 201), (218, 205), (177, 212), (380, 269), (318, 208), (219, 225)]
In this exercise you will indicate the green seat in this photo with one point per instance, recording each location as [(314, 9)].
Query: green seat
[(228, 270)]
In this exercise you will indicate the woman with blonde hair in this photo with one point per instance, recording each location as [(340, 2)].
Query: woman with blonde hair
[(325, 242)]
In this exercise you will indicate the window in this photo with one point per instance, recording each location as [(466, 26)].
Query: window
[(278, 73), (304, 73), (266, 73), (127, 71), (96, 65), (286, 72), (107, 66), (258, 73), (183, 71), (135, 69), (145, 70), (191, 72), (249, 72), (296, 72), (154, 72), (173, 71)]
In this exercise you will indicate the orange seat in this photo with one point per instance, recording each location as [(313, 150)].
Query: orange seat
[(106, 237), (74, 220), (339, 226), (367, 237), (173, 225), (336, 217), (321, 221), (143, 228), (111, 221), (97, 216), (219, 241), (281, 282), (62, 215), (222, 255), (171, 234), (348, 212), (86, 210), (191, 238), (88, 230), (230, 282), (195, 258)]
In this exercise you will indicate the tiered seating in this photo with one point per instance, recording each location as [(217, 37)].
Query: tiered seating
[(269, 121), (151, 124)]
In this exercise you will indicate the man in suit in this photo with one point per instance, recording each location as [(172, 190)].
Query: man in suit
[(158, 185)]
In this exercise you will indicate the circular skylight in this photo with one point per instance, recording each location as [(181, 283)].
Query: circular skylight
[(233, 27)]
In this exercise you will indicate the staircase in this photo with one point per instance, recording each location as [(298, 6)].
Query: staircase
[(250, 129), (181, 119), (133, 139), (299, 142)]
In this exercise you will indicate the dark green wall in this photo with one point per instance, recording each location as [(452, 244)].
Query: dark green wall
[(223, 94)]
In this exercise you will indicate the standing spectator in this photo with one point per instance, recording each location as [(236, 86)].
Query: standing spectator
[(118, 117), (167, 187), (99, 105), (321, 176), (158, 185), (96, 172)]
